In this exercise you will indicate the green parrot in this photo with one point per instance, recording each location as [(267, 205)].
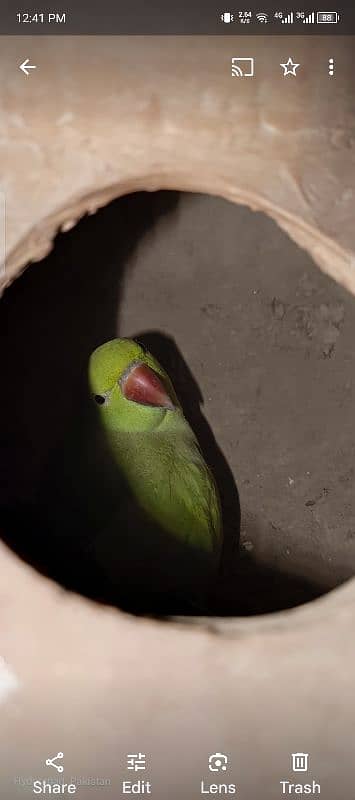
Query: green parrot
[(126, 511), (160, 531)]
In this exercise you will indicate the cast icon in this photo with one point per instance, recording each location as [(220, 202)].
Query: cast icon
[(242, 67)]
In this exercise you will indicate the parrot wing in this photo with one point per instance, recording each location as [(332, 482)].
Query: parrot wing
[(201, 499)]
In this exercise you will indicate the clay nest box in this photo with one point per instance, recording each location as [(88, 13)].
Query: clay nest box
[(275, 148)]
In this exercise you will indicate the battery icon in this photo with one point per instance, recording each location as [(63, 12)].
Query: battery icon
[(330, 17)]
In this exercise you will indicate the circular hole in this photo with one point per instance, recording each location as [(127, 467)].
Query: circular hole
[(259, 345)]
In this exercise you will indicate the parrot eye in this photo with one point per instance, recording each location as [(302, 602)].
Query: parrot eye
[(99, 399)]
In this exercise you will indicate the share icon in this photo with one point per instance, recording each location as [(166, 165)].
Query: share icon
[(50, 762)]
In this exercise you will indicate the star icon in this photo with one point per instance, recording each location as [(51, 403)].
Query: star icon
[(289, 68)]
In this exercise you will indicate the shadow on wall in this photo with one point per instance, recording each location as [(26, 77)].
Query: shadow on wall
[(51, 320)]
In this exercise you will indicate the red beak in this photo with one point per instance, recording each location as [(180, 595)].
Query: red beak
[(142, 385)]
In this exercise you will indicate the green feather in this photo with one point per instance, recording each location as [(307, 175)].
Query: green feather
[(155, 452)]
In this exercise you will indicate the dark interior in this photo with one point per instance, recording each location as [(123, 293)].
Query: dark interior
[(259, 346)]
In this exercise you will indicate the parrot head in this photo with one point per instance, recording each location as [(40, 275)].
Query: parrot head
[(129, 387)]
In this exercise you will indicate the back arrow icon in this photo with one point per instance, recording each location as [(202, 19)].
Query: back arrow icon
[(26, 66)]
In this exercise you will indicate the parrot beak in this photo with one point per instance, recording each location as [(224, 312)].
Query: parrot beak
[(142, 385)]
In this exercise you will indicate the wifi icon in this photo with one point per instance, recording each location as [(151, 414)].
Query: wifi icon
[(262, 17)]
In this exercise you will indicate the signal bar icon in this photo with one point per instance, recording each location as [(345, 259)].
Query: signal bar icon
[(288, 20), (310, 19)]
